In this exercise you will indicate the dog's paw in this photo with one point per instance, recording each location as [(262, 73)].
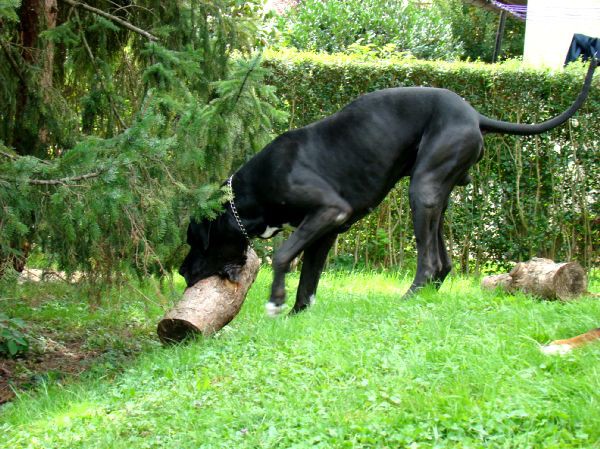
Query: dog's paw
[(553, 349), (273, 310)]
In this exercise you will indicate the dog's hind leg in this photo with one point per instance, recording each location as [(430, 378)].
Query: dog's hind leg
[(313, 262), (445, 261), (427, 199), (441, 165)]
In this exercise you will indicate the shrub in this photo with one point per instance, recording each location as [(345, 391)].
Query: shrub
[(13, 339), (337, 25), (475, 28)]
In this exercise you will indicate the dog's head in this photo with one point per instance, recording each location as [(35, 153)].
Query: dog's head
[(216, 247)]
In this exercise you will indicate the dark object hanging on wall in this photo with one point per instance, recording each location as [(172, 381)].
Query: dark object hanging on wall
[(583, 46)]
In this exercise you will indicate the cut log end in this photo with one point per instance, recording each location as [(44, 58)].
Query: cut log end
[(543, 278), (570, 281), (174, 330), (208, 305)]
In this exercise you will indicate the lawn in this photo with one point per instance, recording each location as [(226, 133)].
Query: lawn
[(459, 368)]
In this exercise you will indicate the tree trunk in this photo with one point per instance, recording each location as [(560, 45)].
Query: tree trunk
[(35, 16), (208, 305), (47, 63), (542, 277), (50, 14)]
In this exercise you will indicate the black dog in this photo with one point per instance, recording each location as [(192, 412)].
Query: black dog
[(324, 177)]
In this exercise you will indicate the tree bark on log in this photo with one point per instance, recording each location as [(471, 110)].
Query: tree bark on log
[(542, 277), (208, 305), (502, 281)]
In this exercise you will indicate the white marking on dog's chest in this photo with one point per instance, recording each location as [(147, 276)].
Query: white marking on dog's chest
[(269, 232)]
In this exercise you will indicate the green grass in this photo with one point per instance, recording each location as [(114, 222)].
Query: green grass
[(459, 368)]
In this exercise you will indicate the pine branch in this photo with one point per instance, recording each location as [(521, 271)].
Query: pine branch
[(14, 157), (245, 80), (12, 62), (8, 155), (100, 77), (53, 182), (115, 19)]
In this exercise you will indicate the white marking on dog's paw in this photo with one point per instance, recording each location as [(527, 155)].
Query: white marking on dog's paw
[(312, 299), (274, 310), (556, 349)]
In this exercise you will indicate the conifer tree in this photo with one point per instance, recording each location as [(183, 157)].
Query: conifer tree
[(119, 119)]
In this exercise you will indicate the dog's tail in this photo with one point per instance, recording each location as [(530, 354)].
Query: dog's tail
[(488, 125), (564, 346)]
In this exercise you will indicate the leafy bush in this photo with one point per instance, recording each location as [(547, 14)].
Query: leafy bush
[(13, 338), (335, 25), (529, 196), (475, 28), (445, 29)]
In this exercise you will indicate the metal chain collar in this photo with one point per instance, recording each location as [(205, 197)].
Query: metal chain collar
[(235, 212)]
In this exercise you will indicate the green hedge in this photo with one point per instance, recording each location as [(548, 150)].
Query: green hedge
[(530, 196)]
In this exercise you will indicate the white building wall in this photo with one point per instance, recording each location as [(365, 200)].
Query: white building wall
[(551, 25)]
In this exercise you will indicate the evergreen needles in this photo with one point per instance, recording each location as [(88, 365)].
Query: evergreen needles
[(111, 140)]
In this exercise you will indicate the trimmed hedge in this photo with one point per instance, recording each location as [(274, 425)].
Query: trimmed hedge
[(530, 196)]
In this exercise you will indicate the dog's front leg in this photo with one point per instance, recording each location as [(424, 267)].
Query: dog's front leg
[(312, 266), (313, 227)]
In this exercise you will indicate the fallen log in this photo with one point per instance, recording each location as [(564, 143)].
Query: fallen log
[(502, 281), (208, 305), (542, 277)]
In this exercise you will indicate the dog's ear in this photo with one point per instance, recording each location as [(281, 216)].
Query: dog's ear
[(198, 234)]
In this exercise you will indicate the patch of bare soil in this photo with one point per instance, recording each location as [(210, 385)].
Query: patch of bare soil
[(51, 359)]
